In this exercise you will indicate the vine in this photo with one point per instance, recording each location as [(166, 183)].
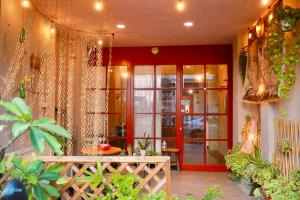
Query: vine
[(282, 49)]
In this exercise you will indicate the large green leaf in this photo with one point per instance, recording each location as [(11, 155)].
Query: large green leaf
[(61, 181), (32, 179), (57, 168), (50, 176), (36, 167), (20, 103), (43, 121), (56, 129), (19, 128), (6, 117), (51, 190), (37, 139), (53, 143), (11, 107), (38, 193)]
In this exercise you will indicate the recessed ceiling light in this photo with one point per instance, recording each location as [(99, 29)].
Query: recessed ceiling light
[(188, 24), (121, 26), (26, 3), (99, 5), (265, 2)]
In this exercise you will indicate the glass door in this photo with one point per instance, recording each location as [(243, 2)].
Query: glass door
[(204, 115)]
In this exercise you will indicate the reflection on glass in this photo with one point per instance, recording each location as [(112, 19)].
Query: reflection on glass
[(166, 76), (149, 148), (143, 124), (193, 76), (117, 101), (216, 150), (144, 76), (216, 101), (165, 126), (216, 127), (118, 77), (170, 144), (117, 125), (165, 101), (193, 152), (216, 75), (121, 143), (196, 101), (193, 126), (143, 101)]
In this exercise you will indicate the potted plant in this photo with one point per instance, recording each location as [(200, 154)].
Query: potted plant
[(143, 144), (288, 17)]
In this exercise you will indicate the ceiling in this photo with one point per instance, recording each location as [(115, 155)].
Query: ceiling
[(157, 22)]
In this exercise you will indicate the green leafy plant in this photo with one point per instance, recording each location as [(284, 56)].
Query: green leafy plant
[(288, 17), (285, 146), (40, 131), (237, 161), (37, 179), (212, 193), (143, 144), (260, 170), (152, 153), (94, 179)]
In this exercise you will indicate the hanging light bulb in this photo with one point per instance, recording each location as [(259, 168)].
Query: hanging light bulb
[(99, 5), (249, 34), (26, 3), (52, 29), (259, 28), (100, 42), (265, 2), (180, 5), (261, 89)]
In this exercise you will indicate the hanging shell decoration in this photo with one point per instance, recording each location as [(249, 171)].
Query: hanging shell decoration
[(22, 35), (92, 56)]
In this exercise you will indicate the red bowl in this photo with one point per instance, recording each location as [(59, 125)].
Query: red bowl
[(104, 147)]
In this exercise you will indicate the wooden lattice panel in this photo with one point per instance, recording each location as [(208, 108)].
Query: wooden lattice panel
[(154, 172), (289, 131)]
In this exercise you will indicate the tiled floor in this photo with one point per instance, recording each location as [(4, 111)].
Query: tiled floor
[(194, 183)]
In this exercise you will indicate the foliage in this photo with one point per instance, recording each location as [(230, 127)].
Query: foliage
[(285, 145), (212, 193), (152, 153), (243, 63), (41, 130), (237, 161), (143, 144), (260, 170), (94, 179), (281, 51), (37, 179)]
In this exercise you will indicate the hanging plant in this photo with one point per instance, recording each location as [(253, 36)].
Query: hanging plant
[(282, 51), (243, 63), (285, 146)]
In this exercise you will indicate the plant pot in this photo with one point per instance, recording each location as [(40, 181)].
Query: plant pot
[(286, 26), (143, 152), (14, 190)]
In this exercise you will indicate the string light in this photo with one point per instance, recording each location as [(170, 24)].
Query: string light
[(249, 34), (100, 42), (261, 89), (180, 5), (99, 5), (259, 28), (26, 3)]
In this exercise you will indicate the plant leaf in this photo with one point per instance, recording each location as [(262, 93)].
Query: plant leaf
[(11, 108), (51, 190), (61, 181), (50, 176), (53, 143), (57, 168), (56, 129), (20, 103), (6, 117), (42, 121), (36, 167), (38, 193), (32, 179), (19, 128), (37, 139)]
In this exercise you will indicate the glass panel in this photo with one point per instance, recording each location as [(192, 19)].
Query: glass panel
[(166, 76), (118, 77), (216, 150), (194, 101), (193, 126), (121, 143), (216, 127), (117, 125), (143, 124), (216, 101), (165, 126), (193, 76), (158, 145), (193, 152), (149, 148), (143, 101), (216, 75), (165, 101), (144, 76), (117, 101)]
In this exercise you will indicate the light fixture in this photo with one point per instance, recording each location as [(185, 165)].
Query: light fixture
[(124, 75), (121, 26), (190, 91), (259, 28), (261, 89), (265, 2), (99, 5), (199, 77), (188, 24), (52, 29), (100, 42), (180, 5), (249, 34), (251, 137), (26, 3)]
